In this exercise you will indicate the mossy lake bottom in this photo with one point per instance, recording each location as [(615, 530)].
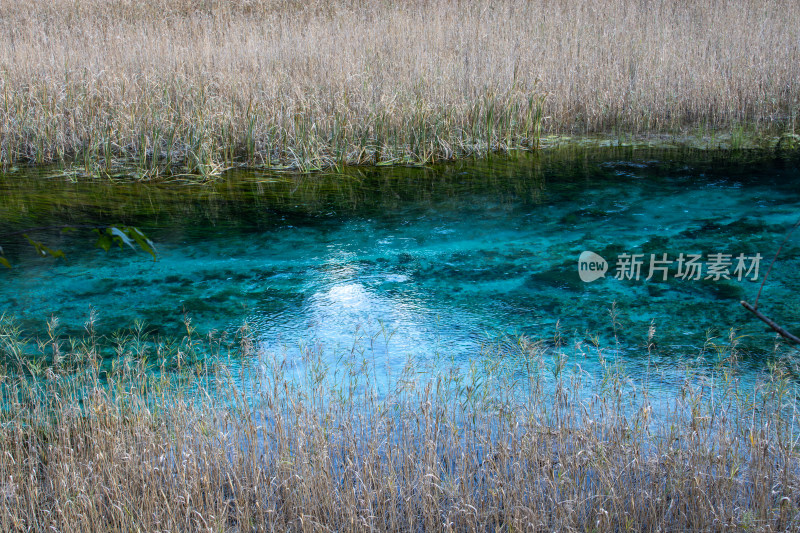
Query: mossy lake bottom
[(433, 263)]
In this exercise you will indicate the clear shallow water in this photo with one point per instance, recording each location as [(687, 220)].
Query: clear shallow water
[(426, 262)]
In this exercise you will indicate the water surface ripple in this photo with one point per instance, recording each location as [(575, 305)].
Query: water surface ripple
[(424, 262)]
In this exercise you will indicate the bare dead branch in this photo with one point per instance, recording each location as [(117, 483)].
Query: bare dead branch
[(771, 323)]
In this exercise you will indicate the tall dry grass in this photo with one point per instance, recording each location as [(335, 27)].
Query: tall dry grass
[(155, 439), (201, 84)]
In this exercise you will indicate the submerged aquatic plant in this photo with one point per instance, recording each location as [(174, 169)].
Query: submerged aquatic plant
[(107, 236)]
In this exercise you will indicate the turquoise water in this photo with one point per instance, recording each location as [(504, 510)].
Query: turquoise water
[(429, 263)]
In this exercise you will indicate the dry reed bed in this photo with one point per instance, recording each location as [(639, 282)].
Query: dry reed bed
[(161, 441), (202, 84)]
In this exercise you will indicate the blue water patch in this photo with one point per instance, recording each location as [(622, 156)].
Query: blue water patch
[(430, 263)]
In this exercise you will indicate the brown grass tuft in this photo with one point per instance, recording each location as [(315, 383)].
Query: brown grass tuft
[(204, 84), (163, 440)]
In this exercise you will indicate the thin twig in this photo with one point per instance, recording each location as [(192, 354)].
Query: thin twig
[(771, 323)]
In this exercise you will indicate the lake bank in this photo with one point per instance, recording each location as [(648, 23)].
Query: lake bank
[(173, 87), (157, 439)]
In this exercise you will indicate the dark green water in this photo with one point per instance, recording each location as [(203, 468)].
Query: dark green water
[(426, 262)]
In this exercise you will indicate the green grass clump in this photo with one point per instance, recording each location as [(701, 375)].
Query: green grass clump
[(174, 436)]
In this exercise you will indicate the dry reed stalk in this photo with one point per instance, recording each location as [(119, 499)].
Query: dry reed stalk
[(161, 440), (200, 85)]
